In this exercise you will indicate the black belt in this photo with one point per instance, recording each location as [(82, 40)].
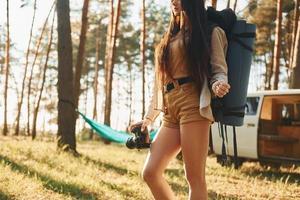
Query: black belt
[(168, 87)]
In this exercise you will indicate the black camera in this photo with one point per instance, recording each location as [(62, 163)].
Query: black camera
[(139, 139)]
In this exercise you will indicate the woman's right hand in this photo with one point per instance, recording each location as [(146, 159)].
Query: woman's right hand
[(144, 124)]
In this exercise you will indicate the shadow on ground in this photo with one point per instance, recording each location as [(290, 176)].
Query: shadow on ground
[(272, 175), (4, 196), (48, 182)]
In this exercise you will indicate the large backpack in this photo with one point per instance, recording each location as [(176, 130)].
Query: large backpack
[(230, 110)]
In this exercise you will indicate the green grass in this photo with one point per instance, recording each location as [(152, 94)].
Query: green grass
[(35, 170)]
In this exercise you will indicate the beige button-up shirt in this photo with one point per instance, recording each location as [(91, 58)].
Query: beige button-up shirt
[(219, 70)]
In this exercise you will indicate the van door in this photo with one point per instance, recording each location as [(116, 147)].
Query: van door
[(246, 135)]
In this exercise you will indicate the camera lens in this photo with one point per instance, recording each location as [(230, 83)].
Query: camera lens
[(130, 143)]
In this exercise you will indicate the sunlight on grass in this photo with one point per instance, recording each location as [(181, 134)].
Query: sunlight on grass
[(35, 170)]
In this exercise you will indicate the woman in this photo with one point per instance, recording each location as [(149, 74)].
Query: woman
[(182, 90)]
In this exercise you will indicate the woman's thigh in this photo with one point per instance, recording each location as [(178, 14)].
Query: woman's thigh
[(194, 146), (164, 147)]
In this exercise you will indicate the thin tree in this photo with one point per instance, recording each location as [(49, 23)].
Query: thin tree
[(228, 4), (109, 33), (234, 5), (142, 50), (39, 42), (295, 82), (20, 101), (96, 75), (277, 47), (81, 50), (214, 3), (86, 91), (36, 109), (130, 93), (110, 66), (7, 46), (295, 27), (66, 105)]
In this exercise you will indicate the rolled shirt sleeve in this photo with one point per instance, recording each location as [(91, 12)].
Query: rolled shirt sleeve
[(218, 63), (152, 113)]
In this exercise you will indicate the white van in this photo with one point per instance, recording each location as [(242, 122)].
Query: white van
[(271, 130)]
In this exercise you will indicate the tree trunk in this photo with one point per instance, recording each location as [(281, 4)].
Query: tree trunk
[(107, 57), (234, 5), (36, 109), (295, 28), (295, 82), (269, 72), (96, 77), (130, 93), (110, 67), (7, 47), (142, 43), (32, 69), (66, 105), (81, 50), (228, 4), (86, 93), (214, 3), (109, 34), (20, 101), (277, 47)]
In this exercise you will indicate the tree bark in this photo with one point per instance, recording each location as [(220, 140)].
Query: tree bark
[(66, 105), (295, 82), (277, 47), (81, 51), (228, 4), (20, 101), (7, 57), (32, 69), (109, 34), (110, 67), (96, 77), (86, 93), (142, 45), (130, 93), (295, 28), (36, 109), (234, 5), (214, 3)]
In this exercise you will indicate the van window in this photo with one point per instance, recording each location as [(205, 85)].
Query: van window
[(281, 108), (290, 114), (251, 105)]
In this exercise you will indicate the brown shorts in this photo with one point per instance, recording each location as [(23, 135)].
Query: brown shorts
[(182, 104)]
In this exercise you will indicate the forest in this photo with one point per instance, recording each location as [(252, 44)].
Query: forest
[(95, 58)]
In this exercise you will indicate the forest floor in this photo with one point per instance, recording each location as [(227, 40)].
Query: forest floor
[(35, 170)]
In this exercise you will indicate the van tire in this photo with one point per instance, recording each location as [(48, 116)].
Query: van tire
[(272, 165), (229, 162)]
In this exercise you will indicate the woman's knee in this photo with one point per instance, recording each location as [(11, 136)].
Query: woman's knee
[(150, 173), (195, 178)]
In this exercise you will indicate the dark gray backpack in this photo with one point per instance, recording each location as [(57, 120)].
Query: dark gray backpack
[(230, 110)]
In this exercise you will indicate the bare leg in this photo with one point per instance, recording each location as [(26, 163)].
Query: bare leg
[(164, 147), (194, 144)]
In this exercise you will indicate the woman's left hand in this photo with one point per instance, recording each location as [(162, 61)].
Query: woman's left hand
[(220, 88)]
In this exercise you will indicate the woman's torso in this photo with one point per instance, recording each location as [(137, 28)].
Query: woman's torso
[(177, 56)]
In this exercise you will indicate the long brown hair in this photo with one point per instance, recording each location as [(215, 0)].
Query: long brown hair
[(197, 48)]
